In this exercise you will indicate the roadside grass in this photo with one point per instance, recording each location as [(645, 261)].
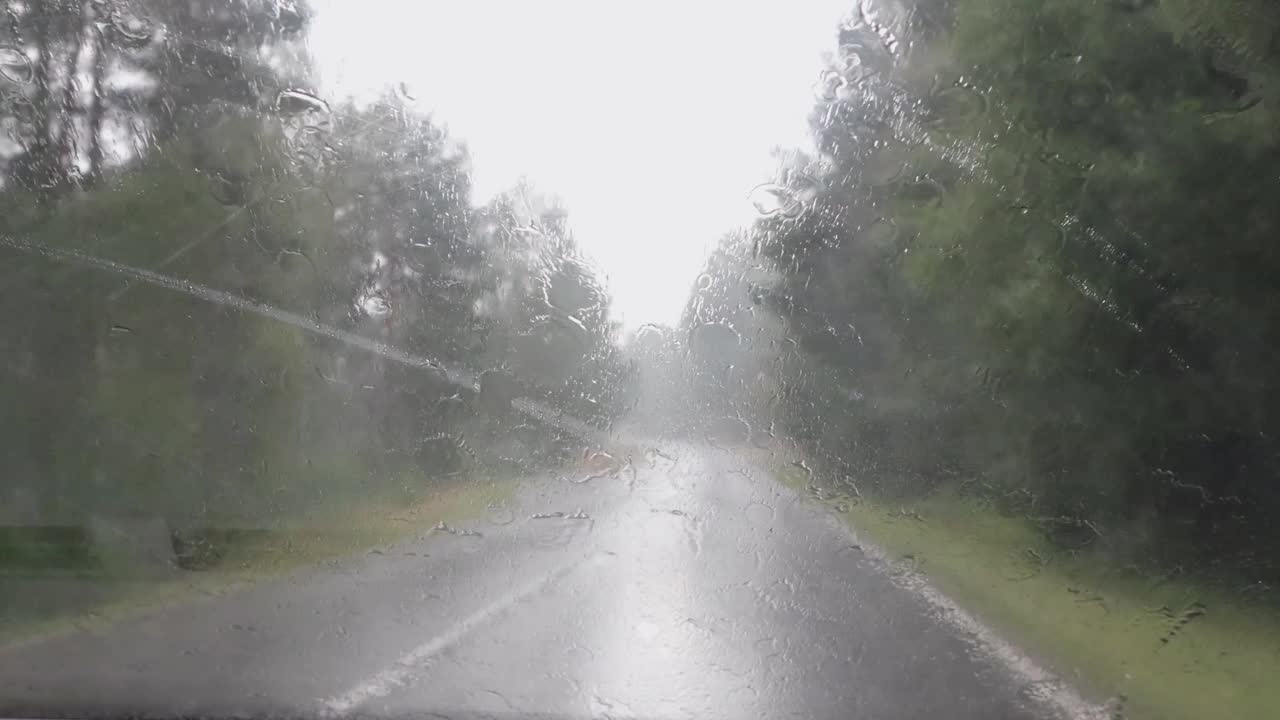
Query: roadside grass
[(1160, 648), (79, 594), (334, 533)]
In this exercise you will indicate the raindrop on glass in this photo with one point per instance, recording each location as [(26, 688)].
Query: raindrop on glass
[(296, 102), (830, 86), (501, 516), (954, 106), (132, 29), (15, 66), (770, 199), (375, 305), (759, 513), (879, 234)]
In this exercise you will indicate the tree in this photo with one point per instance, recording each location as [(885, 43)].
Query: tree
[(86, 83), (732, 349), (546, 306), (1032, 250)]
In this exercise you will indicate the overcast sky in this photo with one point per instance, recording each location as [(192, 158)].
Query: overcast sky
[(652, 120)]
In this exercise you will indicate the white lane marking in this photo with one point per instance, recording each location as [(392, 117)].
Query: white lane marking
[(1050, 692), (396, 676)]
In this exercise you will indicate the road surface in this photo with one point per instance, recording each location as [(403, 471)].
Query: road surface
[(700, 588)]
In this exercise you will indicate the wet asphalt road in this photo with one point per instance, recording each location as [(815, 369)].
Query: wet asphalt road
[(699, 589)]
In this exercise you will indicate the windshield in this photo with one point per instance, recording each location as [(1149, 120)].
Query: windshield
[(570, 359)]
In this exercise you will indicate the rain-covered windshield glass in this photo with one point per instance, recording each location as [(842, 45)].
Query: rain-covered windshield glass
[(585, 359)]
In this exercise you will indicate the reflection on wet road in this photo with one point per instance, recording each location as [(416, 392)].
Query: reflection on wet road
[(701, 589)]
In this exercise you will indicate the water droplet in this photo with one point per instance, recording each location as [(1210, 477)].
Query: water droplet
[(851, 59), (856, 19), (771, 199), (501, 516), (715, 339), (883, 167), (15, 104), (134, 30), (15, 66), (879, 234), (921, 191), (580, 654), (758, 513), (444, 527), (228, 188), (375, 305), (830, 87), (296, 102), (604, 707), (954, 106), (289, 16), (860, 60)]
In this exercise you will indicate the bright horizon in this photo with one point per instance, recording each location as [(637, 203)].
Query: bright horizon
[(652, 122)]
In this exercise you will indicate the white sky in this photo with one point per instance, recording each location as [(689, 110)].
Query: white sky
[(652, 119)]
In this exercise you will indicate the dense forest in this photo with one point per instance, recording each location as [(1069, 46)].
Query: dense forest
[(1033, 259), (229, 300)]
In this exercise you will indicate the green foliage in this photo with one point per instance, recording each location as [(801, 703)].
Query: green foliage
[(204, 413), (1041, 251)]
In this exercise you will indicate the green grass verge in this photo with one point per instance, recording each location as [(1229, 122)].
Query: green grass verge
[(40, 605), (1165, 649)]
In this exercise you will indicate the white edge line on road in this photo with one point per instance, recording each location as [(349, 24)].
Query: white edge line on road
[(396, 676), (1042, 687)]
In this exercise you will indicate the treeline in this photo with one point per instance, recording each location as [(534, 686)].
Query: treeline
[(228, 300), (729, 347), (1035, 257)]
